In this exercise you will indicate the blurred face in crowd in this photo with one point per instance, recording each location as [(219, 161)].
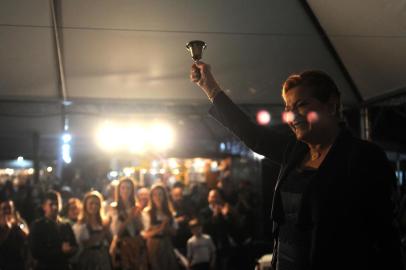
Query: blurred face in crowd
[(5, 210), (125, 190), (196, 230), (177, 194), (143, 197), (158, 197), (214, 197), (93, 205), (74, 209), (51, 209)]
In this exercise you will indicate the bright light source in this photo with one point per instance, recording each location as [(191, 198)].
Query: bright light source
[(20, 159), (66, 137), (113, 174), (198, 164), (263, 117), (9, 171), (154, 164), (66, 153), (162, 171), (49, 169), (312, 117), (128, 171), (176, 171), (173, 163), (288, 117), (135, 138), (222, 147), (214, 165), (109, 137), (143, 171), (258, 156), (67, 159), (30, 171), (161, 136)]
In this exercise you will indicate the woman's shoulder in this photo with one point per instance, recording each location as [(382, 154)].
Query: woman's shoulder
[(366, 149)]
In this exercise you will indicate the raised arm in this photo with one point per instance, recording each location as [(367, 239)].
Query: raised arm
[(260, 139)]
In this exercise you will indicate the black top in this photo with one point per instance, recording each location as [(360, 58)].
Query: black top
[(46, 238), (12, 247), (294, 238)]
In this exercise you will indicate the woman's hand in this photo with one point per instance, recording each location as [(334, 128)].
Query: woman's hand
[(205, 80)]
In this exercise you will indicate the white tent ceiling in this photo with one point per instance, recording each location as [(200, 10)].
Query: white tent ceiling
[(132, 54)]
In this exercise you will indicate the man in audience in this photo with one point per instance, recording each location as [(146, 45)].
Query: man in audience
[(52, 241)]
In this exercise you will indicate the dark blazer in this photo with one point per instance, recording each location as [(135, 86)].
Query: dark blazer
[(349, 203), (46, 238)]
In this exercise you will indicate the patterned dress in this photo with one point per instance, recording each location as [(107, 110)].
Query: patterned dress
[(93, 255)]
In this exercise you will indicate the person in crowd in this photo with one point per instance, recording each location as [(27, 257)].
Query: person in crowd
[(333, 202), (201, 252), (23, 199), (183, 214), (225, 183), (72, 210), (7, 191), (142, 198), (218, 220), (92, 235), (159, 227), (198, 195), (52, 241), (13, 238), (128, 249), (246, 208)]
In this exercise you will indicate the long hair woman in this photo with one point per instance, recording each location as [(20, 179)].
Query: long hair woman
[(92, 234), (159, 227), (128, 249)]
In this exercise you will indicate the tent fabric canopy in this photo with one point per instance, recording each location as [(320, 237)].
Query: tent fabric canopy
[(132, 55)]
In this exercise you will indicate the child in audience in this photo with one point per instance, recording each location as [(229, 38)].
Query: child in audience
[(201, 252)]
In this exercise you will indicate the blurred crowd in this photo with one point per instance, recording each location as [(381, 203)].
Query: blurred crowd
[(121, 225)]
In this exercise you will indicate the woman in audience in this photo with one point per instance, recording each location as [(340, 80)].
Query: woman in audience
[(159, 227), (92, 235), (128, 249)]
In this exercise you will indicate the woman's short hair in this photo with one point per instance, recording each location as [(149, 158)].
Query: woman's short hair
[(320, 83)]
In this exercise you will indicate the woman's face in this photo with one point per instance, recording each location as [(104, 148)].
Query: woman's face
[(305, 114), (158, 197), (93, 205), (5, 209), (125, 191)]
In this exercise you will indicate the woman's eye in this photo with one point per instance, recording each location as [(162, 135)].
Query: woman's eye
[(301, 104)]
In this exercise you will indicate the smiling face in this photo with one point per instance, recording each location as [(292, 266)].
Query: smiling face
[(125, 190), (308, 116), (93, 205)]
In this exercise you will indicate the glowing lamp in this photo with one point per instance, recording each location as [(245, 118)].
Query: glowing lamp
[(263, 117), (288, 117)]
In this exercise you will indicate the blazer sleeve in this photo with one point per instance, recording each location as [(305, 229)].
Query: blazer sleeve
[(262, 140)]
